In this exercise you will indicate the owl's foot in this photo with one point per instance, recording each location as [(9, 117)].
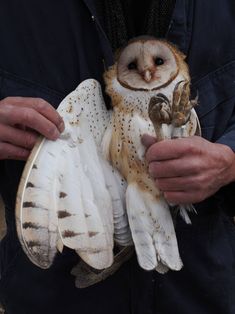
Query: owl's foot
[(181, 105), (159, 113), (159, 109)]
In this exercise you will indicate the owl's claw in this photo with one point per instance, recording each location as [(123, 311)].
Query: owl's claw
[(159, 109), (159, 113), (181, 105)]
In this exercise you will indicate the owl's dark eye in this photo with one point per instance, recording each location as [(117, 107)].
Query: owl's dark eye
[(132, 65), (159, 61)]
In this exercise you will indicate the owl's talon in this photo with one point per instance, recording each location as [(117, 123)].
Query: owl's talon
[(159, 110), (194, 102), (161, 97), (181, 105)]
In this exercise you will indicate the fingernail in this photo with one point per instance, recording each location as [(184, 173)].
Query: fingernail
[(61, 126), (148, 140), (55, 134)]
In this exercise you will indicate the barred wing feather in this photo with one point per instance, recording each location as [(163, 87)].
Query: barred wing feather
[(35, 216), (63, 194)]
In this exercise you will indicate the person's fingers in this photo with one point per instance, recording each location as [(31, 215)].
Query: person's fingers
[(148, 140), (24, 139), (172, 149), (175, 168), (12, 115), (47, 110), (187, 183), (181, 197), (39, 105), (9, 151)]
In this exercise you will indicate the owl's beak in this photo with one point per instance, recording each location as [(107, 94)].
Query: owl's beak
[(147, 76)]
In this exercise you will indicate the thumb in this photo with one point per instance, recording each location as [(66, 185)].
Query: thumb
[(148, 140)]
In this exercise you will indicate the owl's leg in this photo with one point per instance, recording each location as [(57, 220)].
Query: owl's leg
[(181, 104), (159, 113), (181, 120)]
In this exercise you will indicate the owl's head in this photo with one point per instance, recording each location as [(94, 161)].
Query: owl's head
[(147, 64)]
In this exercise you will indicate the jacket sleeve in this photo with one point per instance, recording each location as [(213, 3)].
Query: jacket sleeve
[(228, 138), (227, 193)]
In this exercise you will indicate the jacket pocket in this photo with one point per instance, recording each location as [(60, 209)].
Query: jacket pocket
[(216, 93)]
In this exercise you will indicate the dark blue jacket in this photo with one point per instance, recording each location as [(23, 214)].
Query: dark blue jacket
[(204, 30)]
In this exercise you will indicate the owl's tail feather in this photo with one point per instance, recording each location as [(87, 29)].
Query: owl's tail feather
[(152, 230), (184, 209)]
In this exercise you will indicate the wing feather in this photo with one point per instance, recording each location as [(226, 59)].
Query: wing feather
[(35, 215), (66, 179), (152, 230)]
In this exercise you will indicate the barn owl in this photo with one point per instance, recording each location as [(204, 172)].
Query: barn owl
[(91, 187), (149, 88)]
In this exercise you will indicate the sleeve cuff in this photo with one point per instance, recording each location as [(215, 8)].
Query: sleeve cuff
[(228, 139)]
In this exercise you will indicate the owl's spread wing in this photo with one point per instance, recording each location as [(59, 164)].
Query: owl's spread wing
[(63, 194)]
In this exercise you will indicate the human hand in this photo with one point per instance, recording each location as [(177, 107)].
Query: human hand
[(189, 170), (22, 119)]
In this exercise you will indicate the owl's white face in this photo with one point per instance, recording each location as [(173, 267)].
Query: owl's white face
[(146, 65)]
